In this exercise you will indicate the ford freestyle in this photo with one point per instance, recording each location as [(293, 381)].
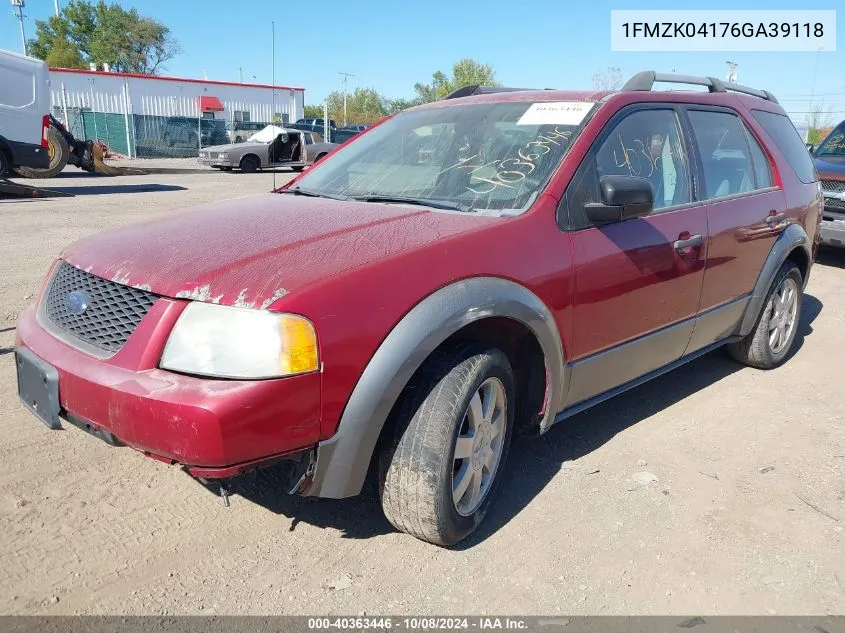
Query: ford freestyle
[(493, 262)]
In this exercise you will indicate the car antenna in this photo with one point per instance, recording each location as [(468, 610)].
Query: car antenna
[(273, 91)]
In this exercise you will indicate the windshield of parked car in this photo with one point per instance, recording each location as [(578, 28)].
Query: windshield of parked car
[(475, 157), (834, 144)]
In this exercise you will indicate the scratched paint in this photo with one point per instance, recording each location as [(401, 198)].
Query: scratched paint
[(281, 292), (121, 278), (241, 301), (200, 293)]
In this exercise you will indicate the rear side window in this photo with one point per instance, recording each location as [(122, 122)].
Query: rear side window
[(724, 153), (786, 137)]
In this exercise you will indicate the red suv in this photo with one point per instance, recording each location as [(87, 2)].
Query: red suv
[(497, 260)]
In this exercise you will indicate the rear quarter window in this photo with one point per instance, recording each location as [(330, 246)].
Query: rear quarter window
[(17, 87), (786, 137)]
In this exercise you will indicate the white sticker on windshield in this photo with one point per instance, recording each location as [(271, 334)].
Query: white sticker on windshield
[(556, 113)]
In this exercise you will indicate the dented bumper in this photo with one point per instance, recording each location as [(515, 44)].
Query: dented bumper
[(216, 428)]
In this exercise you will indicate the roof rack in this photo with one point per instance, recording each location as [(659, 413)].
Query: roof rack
[(645, 80), (476, 89)]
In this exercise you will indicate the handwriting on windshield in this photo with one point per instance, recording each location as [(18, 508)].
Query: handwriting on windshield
[(509, 172), (836, 143)]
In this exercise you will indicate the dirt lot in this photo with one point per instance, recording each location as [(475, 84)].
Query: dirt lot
[(739, 457)]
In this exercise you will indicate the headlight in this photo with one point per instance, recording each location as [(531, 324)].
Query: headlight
[(226, 342), (223, 155)]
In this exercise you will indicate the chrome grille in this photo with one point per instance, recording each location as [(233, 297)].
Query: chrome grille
[(833, 185), (113, 313), (834, 203)]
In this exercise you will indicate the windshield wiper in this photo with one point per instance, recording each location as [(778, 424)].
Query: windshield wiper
[(422, 202), (298, 191)]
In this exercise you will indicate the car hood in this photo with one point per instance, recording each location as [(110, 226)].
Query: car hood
[(230, 147), (251, 251), (831, 165)]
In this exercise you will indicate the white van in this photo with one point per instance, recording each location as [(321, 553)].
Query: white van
[(24, 104)]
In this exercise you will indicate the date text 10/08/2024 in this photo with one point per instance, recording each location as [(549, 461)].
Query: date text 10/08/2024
[(418, 623)]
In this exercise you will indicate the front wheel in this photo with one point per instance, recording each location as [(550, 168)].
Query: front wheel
[(440, 472), (250, 164), (773, 336)]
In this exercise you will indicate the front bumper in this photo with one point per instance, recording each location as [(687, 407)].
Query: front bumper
[(216, 428), (832, 231), (214, 162), (29, 155)]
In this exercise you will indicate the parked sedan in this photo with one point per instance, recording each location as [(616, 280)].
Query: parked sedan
[(271, 147)]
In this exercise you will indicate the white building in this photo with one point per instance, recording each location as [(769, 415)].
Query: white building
[(145, 115)]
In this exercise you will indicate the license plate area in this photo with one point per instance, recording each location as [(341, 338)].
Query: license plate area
[(38, 387)]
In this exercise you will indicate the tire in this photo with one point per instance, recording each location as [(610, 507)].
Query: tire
[(59, 152), (418, 468), (763, 348), (320, 157), (250, 164)]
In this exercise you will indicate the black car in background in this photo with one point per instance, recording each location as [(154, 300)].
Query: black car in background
[(182, 131)]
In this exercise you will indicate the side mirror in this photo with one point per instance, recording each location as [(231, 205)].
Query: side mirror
[(622, 198), (811, 148)]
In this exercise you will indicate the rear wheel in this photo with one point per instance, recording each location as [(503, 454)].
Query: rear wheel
[(320, 157), (440, 472), (57, 150), (769, 343), (250, 164)]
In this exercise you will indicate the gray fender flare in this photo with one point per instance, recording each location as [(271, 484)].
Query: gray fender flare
[(794, 236), (344, 459)]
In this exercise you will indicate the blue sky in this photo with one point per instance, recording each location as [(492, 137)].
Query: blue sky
[(389, 45)]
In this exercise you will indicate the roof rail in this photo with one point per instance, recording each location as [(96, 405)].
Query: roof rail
[(476, 89), (645, 80)]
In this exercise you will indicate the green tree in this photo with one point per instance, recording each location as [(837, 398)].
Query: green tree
[(101, 33), (363, 105), (397, 105), (313, 112), (818, 121), (466, 72)]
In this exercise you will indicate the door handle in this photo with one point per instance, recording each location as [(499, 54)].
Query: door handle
[(691, 242), (775, 218)]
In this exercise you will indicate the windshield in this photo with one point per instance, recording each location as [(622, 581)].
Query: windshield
[(477, 157), (834, 144)]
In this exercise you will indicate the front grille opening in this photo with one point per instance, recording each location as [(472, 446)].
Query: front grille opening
[(113, 312), (833, 185)]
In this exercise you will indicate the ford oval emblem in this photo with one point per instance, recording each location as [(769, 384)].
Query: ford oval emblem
[(77, 302)]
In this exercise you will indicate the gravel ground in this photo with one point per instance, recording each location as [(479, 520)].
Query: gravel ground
[(702, 492)]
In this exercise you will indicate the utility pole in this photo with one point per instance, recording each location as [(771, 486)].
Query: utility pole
[(56, 3), (241, 73), (732, 74), (17, 7), (345, 77), (815, 74)]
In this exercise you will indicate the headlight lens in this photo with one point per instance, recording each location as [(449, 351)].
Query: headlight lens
[(226, 342), (222, 155)]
